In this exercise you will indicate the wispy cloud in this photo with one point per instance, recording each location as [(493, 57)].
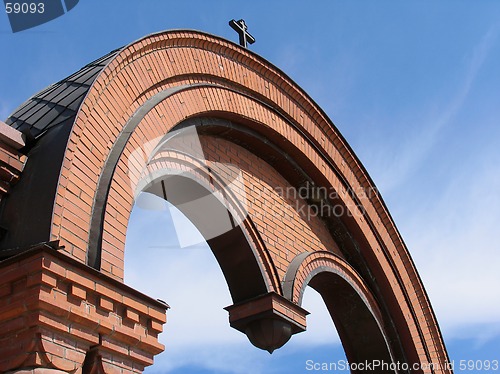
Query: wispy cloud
[(454, 240), (475, 62), (5, 110), (427, 128)]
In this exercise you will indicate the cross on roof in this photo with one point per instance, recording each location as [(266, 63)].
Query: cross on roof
[(241, 28)]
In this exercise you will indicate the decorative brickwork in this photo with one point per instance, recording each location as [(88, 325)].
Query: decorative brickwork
[(55, 310), (296, 205), (11, 160)]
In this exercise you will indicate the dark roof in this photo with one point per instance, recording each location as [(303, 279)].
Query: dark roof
[(59, 102)]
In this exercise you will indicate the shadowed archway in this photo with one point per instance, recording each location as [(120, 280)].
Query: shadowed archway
[(353, 309), (230, 243)]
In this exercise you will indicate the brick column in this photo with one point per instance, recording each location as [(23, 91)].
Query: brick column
[(59, 314)]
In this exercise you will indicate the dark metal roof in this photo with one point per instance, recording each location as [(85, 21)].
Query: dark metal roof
[(59, 102)]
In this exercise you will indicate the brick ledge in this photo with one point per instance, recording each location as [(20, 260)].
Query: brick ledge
[(54, 310)]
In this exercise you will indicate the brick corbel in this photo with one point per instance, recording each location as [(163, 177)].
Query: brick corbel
[(58, 313), (268, 320)]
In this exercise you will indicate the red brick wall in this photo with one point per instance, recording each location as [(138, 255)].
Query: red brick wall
[(53, 310), (216, 78), (284, 227)]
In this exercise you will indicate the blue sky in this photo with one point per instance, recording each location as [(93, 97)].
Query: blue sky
[(413, 86)]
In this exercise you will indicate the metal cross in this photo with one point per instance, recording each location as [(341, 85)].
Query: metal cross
[(241, 28)]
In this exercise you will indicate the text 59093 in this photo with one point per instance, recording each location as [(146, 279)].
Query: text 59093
[(25, 8)]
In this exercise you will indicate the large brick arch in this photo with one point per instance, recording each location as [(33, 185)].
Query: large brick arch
[(88, 163)]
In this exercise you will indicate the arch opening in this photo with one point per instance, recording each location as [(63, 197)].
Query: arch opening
[(351, 304), (166, 256), (359, 331), (173, 256), (233, 248), (177, 170), (227, 240)]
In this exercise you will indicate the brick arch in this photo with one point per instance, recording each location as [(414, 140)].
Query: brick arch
[(268, 127), (196, 188), (353, 308), (306, 266)]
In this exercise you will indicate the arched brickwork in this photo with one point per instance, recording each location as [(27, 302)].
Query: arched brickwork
[(351, 303), (248, 114)]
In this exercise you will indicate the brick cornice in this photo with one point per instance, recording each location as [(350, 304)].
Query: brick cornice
[(58, 310), (11, 160)]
